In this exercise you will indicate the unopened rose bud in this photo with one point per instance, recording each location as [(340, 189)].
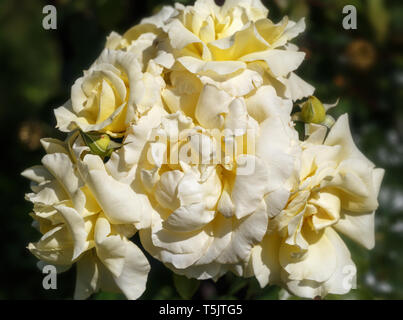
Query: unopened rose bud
[(99, 143), (313, 111)]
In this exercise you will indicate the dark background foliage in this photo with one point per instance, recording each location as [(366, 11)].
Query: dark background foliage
[(363, 67)]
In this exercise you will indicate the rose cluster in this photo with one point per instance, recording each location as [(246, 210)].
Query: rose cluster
[(184, 130)]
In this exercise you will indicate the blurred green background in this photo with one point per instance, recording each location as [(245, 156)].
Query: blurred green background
[(363, 67)]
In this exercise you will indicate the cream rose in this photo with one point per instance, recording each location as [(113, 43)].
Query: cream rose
[(235, 48), (210, 206), (337, 192), (210, 169), (76, 228), (113, 93)]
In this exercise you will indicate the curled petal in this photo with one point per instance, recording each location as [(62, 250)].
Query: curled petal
[(189, 218), (318, 263), (249, 186), (245, 234), (117, 200)]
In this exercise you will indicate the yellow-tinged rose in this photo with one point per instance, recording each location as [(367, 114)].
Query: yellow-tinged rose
[(113, 93), (235, 48), (77, 228), (210, 172), (212, 187), (337, 191)]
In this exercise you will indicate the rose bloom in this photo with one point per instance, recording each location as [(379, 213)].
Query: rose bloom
[(205, 220), (211, 171), (76, 228), (114, 92), (336, 192), (234, 49), (210, 206)]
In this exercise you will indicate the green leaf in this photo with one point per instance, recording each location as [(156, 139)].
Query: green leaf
[(185, 287), (108, 296), (237, 285), (269, 293), (300, 128)]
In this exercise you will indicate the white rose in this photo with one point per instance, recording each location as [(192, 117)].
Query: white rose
[(76, 229), (234, 48), (208, 213), (113, 93), (337, 191)]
